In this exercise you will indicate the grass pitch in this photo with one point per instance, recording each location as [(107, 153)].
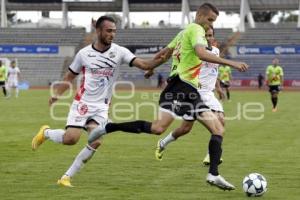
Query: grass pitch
[(125, 167)]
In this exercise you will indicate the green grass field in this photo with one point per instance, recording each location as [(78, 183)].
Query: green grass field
[(125, 167)]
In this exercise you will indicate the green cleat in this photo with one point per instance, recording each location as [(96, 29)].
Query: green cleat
[(159, 151), (206, 160)]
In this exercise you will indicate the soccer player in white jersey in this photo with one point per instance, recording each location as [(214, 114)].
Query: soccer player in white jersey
[(99, 64), (208, 79), (13, 79)]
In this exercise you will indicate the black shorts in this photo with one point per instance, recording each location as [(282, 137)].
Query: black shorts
[(182, 99), (274, 88), (2, 83), (225, 84)]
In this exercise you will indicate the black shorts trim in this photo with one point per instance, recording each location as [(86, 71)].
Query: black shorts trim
[(72, 126), (216, 111), (224, 84)]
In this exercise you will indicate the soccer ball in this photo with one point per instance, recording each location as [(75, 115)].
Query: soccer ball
[(254, 185)]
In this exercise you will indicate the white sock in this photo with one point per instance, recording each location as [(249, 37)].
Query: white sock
[(84, 155), (169, 138), (55, 135), (8, 91), (17, 92)]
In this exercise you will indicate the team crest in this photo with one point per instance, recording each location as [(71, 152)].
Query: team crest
[(82, 108), (112, 54)]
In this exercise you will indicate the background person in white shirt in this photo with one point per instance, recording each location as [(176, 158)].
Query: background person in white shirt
[(13, 79)]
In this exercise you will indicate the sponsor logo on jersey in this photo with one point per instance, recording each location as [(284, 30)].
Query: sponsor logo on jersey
[(102, 72)]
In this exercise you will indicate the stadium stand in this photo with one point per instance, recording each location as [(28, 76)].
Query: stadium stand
[(270, 35), (61, 37), (156, 36), (41, 69)]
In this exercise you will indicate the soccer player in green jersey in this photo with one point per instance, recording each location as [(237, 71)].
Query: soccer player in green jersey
[(3, 77), (274, 74), (225, 77), (180, 97)]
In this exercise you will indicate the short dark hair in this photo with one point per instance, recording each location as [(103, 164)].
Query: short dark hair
[(208, 6), (102, 19)]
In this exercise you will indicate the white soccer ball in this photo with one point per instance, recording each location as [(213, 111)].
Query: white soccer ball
[(254, 185)]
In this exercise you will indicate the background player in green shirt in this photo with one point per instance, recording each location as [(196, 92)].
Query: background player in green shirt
[(274, 76), (3, 77), (225, 77)]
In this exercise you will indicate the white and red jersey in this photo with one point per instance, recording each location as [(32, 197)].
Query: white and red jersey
[(13, 73), (209, 73), (100, 70)]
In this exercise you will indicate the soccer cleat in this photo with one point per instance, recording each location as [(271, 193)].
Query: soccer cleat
[(65, 181), (274, 109), (159, 151), (39, 138), (219, 182), (206, 160)]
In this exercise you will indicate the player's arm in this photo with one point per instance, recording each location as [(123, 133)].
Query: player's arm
[(267, 75), (70, 75), (18, 74), (219, 89), (164, 54), (147, 64), (6, 73), (281, 76), (62, 86), (205, 56)]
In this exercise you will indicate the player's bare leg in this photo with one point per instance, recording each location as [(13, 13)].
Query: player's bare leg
[(274, 99), (160, 125), (185, 128), (81, 159), (206, 160), (66, 137), (211, 122), (139, 126)]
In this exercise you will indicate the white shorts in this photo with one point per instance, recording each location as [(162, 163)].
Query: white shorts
[(81, 113), (211, 101), (12, 83)]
